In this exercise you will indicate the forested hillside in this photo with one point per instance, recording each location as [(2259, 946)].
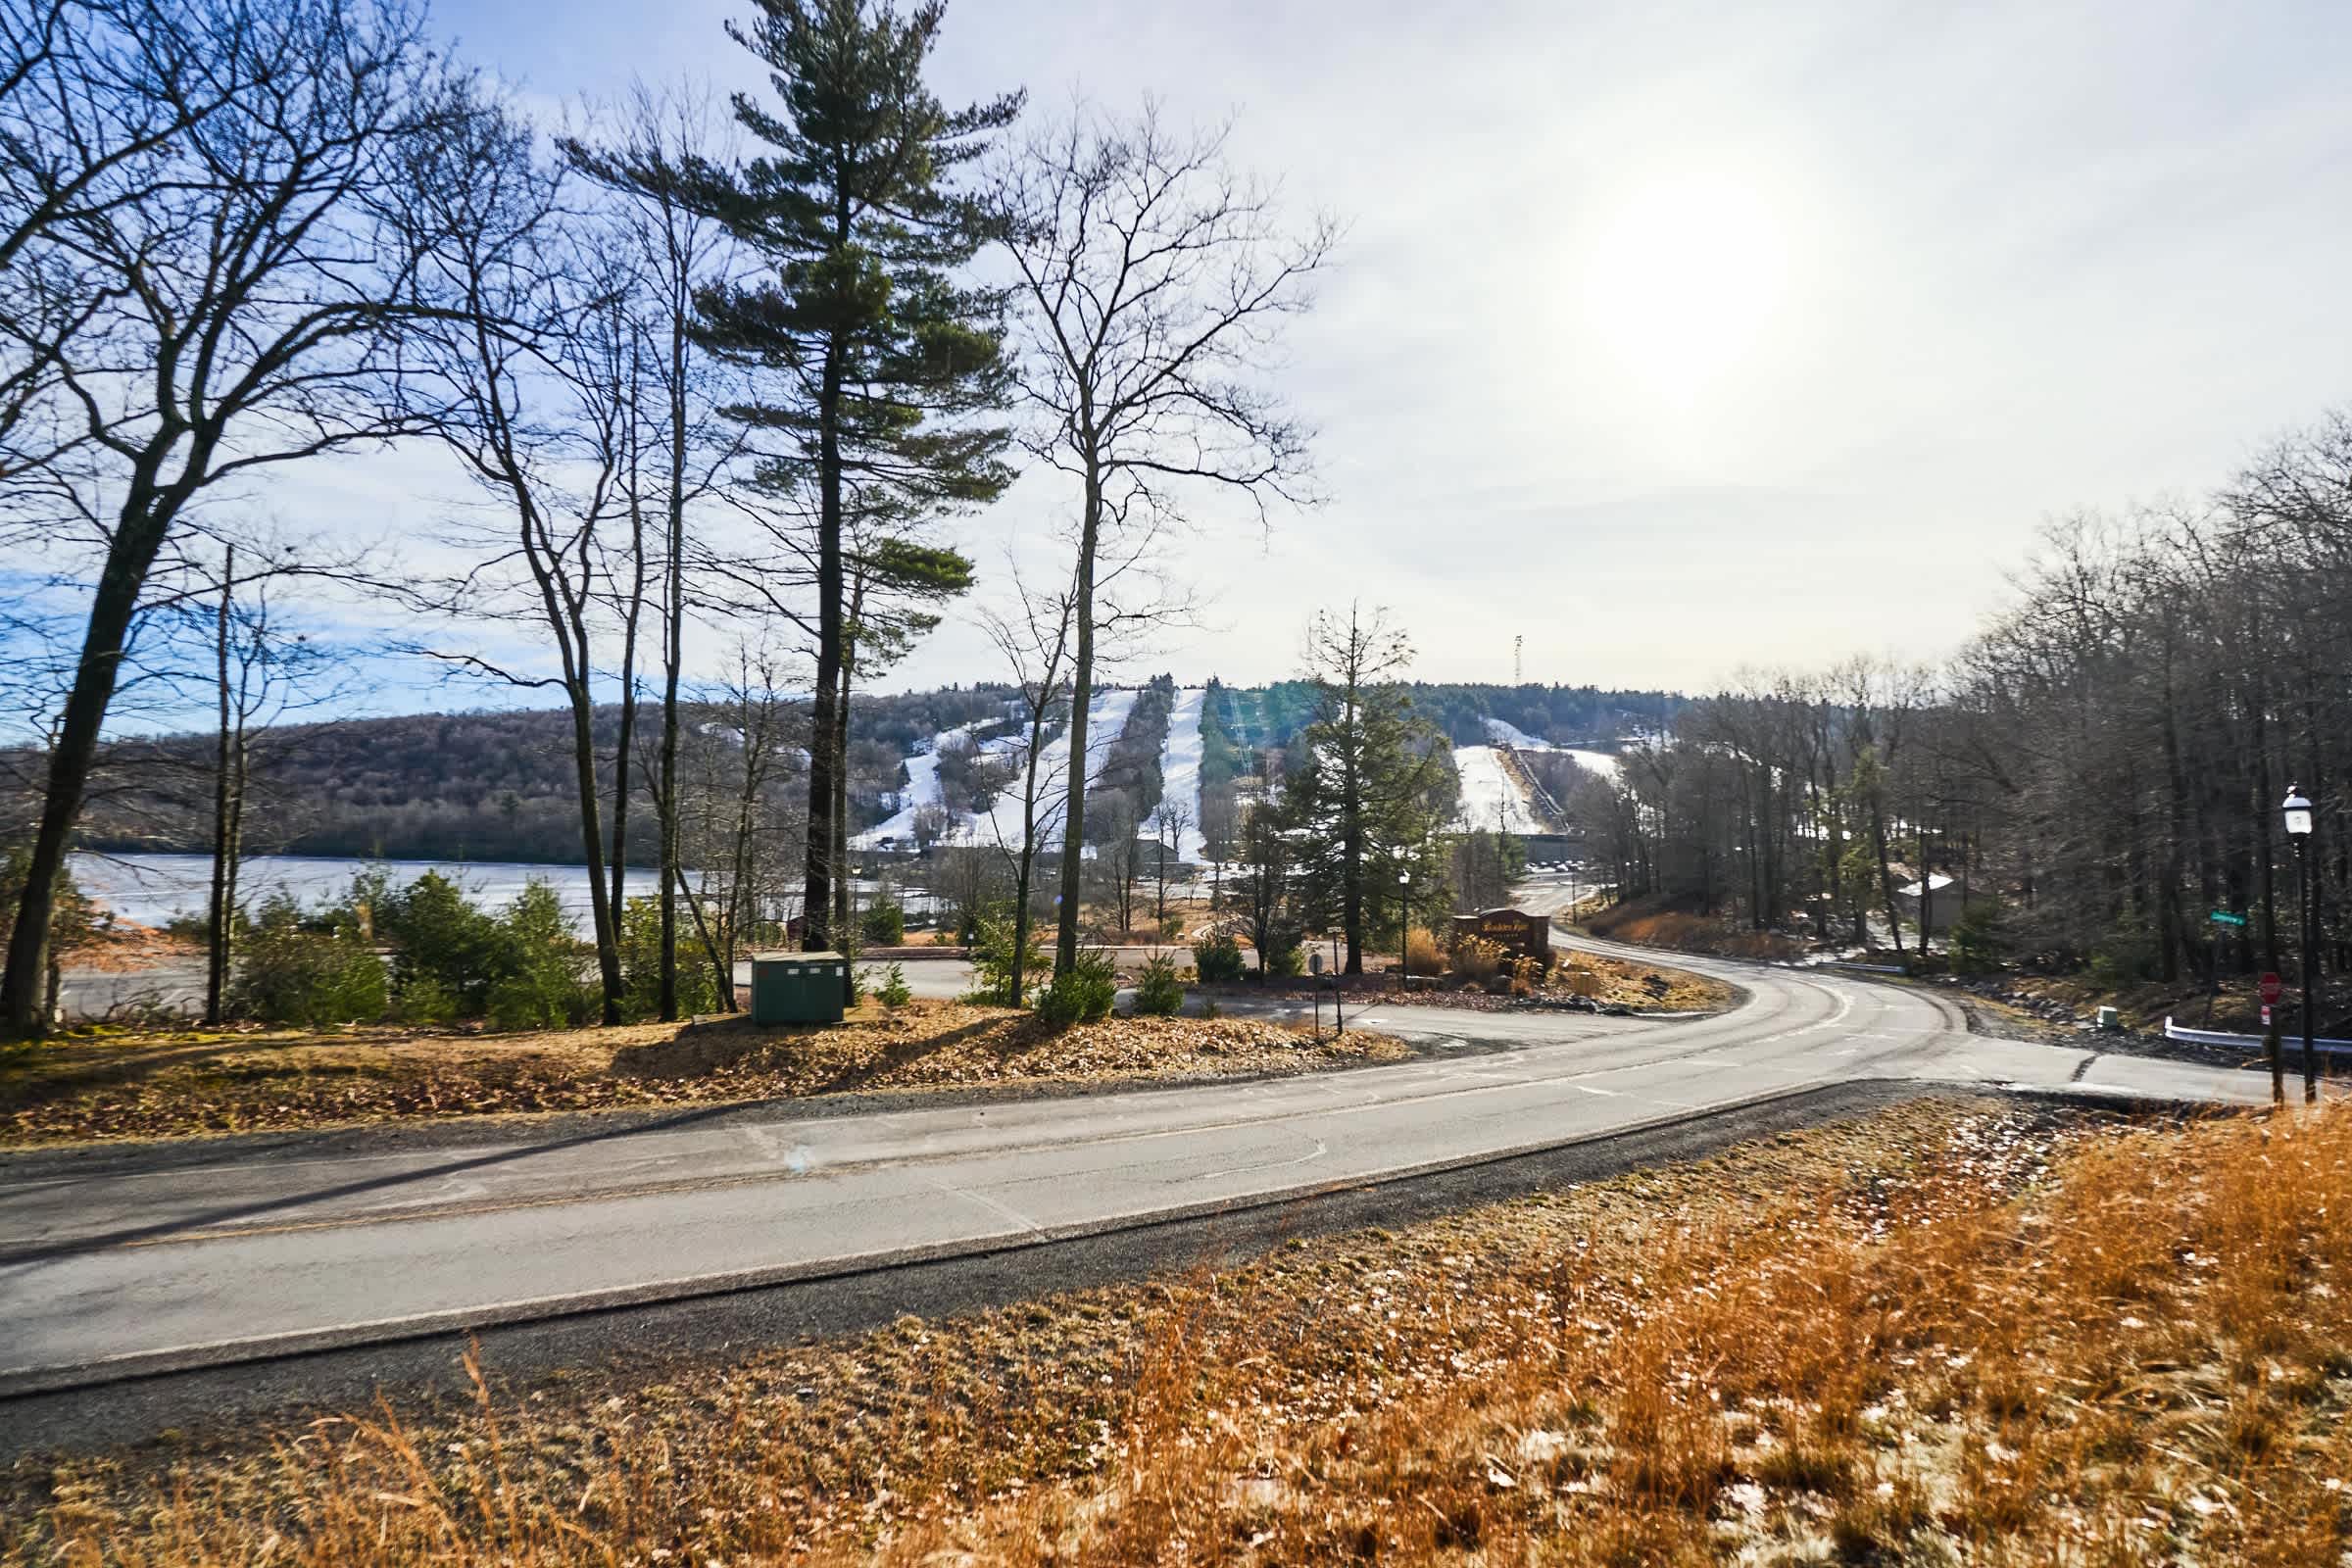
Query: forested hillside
[(496, 785), (499, 785)]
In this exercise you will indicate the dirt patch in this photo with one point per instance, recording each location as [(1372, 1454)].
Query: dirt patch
[(106, 1085)]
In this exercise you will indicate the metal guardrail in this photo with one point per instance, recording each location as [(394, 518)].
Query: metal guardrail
[(2291, 1043)]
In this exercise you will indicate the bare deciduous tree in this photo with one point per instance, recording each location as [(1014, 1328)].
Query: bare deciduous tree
[(1154, 281)]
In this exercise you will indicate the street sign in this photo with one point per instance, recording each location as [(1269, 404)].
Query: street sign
[(2272, 988), (2225, 917)]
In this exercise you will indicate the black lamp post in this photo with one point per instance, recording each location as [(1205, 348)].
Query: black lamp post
[(2298, 813), (1404, 929)]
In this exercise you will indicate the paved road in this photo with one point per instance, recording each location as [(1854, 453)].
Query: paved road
[(110, 1270)]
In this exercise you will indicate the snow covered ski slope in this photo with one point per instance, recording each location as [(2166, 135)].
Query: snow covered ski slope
[(921, 791), (1491, 801), (1504, 733), (1179, 773), (1000, 823), (1105, 717)]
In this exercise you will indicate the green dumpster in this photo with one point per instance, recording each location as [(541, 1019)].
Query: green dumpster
[(799, 987)]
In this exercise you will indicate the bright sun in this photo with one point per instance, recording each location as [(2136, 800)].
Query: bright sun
[(1684, 278)]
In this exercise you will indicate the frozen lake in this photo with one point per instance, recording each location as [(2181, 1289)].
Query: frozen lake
[(150, 889)]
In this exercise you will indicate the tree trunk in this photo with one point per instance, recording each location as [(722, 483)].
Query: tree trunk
[(817, 897), (25, 1002), (673, 600), (1082, 696), (228, 796)]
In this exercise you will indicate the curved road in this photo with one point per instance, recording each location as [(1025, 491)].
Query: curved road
[(114, 1269)]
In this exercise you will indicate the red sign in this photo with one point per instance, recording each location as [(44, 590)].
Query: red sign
[(2272, 988)]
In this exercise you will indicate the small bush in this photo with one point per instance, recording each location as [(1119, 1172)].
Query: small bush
[(422, 999), (1478, 959), (891, 989), (1422, 954), (992, 946), (541, 986), (2124, 957), (1080, 994), (1158, 994), (291, 975), (885, 922), (1285, 962), (697, 990), (1527, 974), (1977, 941), (434, 932), (1171, 926), (1219, 960)]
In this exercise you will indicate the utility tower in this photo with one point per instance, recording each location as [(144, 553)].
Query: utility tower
[(1518, 675)]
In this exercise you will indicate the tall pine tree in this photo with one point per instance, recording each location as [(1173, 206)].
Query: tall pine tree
[(1376, 787), (879, 358)]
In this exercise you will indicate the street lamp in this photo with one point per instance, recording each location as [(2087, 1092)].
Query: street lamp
[(2295, 811), (1404, 931)]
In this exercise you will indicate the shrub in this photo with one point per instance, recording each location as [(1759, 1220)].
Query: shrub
[(1526, 975), (992, 959), (1219, 960), (2124, 956), (1171, 926), (540, 986), (892, 990), (435, 933), (1977, 940), (421, 999), (1158, 994), (1080, 994), (885, 922), (288, 974), (1287, 962), (641, 965), (1478, 959)]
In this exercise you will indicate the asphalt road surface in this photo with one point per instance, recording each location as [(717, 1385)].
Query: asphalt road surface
[(119, 1267)]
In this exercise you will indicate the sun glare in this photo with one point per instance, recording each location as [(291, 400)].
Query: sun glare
[(1685, 276)]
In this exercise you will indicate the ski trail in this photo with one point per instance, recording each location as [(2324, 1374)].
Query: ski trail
[(1106, 716), (1491, 799), (1180, 771), (922, 790)]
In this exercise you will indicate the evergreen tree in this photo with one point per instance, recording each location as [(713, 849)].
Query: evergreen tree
[(1376, 785), (876, 355)]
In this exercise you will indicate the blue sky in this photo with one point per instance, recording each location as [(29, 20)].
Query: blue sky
[(1672, 337)]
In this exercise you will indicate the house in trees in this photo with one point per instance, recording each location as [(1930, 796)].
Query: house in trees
[(1946, 898)]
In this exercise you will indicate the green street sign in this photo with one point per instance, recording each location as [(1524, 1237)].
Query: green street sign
[(2225, 917)]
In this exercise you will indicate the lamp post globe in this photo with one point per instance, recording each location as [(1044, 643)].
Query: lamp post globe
[(2295, 811)]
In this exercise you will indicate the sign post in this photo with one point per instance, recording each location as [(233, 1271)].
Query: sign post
[(2217, 921), (2271, 989)]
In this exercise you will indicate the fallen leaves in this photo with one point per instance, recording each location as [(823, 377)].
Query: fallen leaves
[(181, 1085)]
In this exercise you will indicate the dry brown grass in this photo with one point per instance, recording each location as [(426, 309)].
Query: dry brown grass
[(1646, 922), (114, 1086), (1897, 1341)]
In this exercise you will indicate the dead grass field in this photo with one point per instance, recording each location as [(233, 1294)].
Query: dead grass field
[(108, 1085), (1957, 1331), (1648, 922)]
